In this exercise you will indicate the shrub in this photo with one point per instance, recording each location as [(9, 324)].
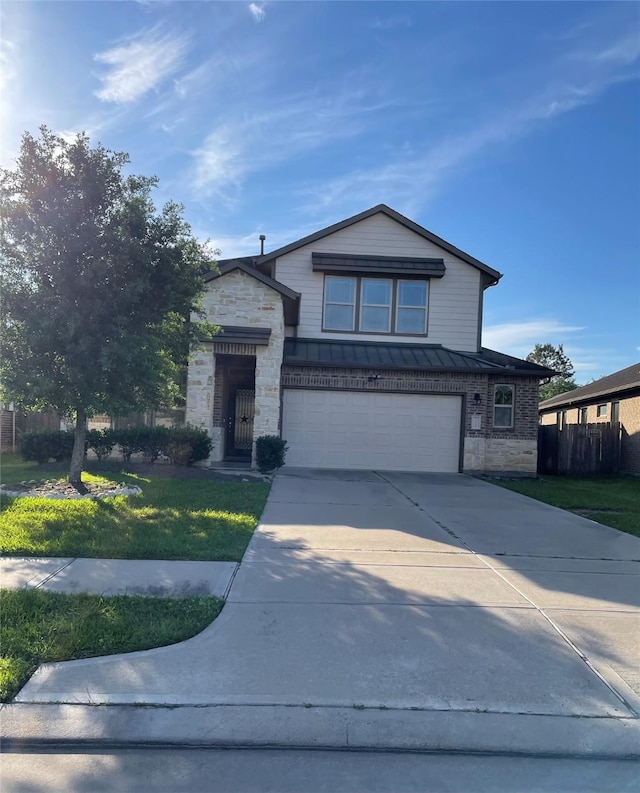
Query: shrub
[(188, 444), (128, 440), (153, 441), (101, 442), (42, 445), (270, 452)]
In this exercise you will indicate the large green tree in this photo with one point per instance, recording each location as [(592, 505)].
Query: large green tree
[(554, 358), (97, 285)]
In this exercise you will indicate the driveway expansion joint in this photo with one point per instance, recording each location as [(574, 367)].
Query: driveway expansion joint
[(551, 622)]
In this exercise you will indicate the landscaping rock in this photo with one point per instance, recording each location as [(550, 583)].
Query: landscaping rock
[(61, 489)]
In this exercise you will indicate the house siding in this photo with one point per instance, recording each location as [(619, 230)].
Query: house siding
[(454, 300), (487, 450)]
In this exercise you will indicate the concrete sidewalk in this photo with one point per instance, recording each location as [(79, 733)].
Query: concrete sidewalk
[(386, 611), (151, 578)]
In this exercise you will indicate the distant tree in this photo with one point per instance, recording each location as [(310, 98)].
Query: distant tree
[(97, 286), (556, 359)]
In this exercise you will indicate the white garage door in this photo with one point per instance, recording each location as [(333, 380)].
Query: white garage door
[(387, 432)]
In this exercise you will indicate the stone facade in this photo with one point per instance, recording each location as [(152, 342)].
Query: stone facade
[(488, 449), (238, 299)]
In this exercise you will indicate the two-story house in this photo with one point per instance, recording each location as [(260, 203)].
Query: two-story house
[(361, 346)]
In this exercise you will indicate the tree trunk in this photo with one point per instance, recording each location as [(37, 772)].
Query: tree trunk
[(77, 457)]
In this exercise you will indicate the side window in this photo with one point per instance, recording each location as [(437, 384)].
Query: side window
[(601, 411), (615, 412), (503, 406)]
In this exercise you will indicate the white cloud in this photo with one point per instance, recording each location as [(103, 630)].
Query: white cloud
[(590, 358), (257, 142), (411, 181), (219, 163), (249, 244), (519, 338), (8, 67), (257, 11), (139, 65)]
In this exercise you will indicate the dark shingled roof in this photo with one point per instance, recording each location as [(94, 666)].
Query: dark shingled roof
[(246, 265), (624, 380), (375, 355)]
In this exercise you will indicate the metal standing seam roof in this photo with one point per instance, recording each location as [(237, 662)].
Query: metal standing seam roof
[(242, 335), (362, 354), (397, 265)]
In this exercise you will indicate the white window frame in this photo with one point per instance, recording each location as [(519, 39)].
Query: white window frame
[(497, 405), (353, 305)]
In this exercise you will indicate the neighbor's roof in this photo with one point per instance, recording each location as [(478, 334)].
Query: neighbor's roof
[(375, 355), (494, 275), (624, 380)]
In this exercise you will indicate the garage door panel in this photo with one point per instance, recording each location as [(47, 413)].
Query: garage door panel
[(362, 430)]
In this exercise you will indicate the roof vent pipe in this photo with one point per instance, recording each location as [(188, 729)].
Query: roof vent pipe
[(262, 239)]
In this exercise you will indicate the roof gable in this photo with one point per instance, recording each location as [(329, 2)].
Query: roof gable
[(290, 299), (228, 266), (492, 275)]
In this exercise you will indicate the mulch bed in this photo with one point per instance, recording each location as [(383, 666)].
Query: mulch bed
[(62, 488)]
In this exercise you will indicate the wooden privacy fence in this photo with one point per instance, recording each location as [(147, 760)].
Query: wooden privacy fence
[(579, 449)]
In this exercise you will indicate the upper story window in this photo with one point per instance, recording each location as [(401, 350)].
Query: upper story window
[(339, 303), (601, 411), (503, 406), (375, 305), (411, 307)]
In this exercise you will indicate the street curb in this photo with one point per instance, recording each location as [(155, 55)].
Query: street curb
[(320, 727)]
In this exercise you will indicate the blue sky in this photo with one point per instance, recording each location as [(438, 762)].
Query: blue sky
[(510, 129)]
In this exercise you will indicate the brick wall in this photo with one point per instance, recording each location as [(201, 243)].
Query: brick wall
[(630, 421)]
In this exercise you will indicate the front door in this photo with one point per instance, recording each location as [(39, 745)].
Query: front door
[(240, 422)]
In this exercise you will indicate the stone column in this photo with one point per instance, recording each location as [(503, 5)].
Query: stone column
[(200, 380)]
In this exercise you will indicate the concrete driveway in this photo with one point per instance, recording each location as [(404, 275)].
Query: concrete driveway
[(399, 610)]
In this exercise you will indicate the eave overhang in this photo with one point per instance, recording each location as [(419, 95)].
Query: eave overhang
[(403, 266)]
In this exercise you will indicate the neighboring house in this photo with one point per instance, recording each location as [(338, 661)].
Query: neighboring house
[(615, 398), (361, 346)]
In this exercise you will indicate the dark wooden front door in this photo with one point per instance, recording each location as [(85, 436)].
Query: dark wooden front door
[(240, 414)]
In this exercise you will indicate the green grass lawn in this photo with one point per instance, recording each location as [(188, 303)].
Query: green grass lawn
[(171, 519), (612, 500), (38, 627)]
